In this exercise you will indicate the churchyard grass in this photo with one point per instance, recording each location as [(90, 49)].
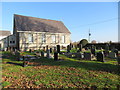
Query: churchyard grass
[(66, 73)]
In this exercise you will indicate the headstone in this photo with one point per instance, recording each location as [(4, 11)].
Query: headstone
[(55, 56), (78, 55), (107, 47), (118, 60), (48, 53), (112, 55), (100, 57), (116, 51), (93, 51), (68, 48), (17, 54), (50, 50), (42, 54), (80, 47), (87, 56), (58, 48), (55, 49), (46, 47), (30, 50)]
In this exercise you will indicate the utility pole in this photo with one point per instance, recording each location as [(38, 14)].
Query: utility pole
[(89, 34)]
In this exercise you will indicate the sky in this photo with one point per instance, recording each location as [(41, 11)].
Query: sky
[(101, 18)]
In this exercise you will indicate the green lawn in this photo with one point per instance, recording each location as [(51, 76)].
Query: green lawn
[(66, 73)]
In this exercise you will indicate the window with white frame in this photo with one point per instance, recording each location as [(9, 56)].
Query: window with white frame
[(43, 38), (53, 38), (63, 39), (30, 37)]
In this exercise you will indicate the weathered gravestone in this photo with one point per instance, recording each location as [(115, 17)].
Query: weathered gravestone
[(78, 55), (118, 60), (100, 57), (50, 50), (58, 48), (55, 56), (48, 53), (55, 49), (46, 47), (87, 56), (42, 54), (30, 50), (25, 61), (80, 47), (17, 54), (112, 55), (93, 50), (68, 48)]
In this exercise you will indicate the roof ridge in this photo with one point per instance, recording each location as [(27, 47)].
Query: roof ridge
[(36, 18)]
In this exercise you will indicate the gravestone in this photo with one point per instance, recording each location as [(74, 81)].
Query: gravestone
[(42, 54), (55, 56), (48, 53), (55, 49), (107, 47), (17, 54), (116, 51), (25, 61), (68, 48), (58, 48), (112, 55), (30, 50), (46, 47), (100, 57), (50, 50), (118, 60), (78, 55), (87, 56), (93, 51), (80, 47)]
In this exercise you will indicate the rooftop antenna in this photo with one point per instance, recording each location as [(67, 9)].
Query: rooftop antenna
[(89, 34)]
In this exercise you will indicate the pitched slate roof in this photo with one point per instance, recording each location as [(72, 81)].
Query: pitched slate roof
[(5, 33), (25, 23)]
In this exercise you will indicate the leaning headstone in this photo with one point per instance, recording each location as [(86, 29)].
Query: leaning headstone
[(58, 48), (42, 54), (87, 56), (55, 56), (100, 57)]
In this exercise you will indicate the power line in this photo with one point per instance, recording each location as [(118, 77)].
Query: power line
[(99, 22)]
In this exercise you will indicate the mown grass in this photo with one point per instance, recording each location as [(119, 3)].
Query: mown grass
[(66, 73)]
